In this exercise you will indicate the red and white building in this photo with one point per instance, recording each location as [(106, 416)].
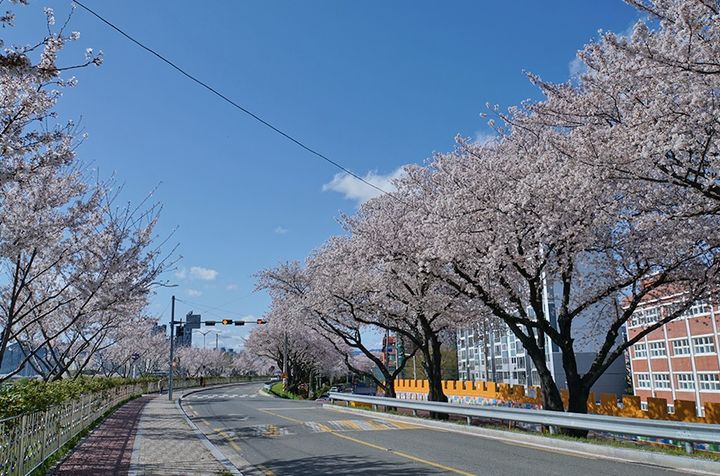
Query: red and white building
[(680, 360)]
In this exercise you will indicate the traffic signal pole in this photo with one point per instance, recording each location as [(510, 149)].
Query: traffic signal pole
[(172, 349)]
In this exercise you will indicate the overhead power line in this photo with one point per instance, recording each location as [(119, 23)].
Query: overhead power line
[(230, 101)]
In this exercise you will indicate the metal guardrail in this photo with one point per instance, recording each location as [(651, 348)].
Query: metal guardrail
[(691, 432)]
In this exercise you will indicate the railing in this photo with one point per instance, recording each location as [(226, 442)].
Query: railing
[(26, 441), (690, 432)]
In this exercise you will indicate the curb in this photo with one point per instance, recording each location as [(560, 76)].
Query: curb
[(626, 455), (216, 452), (222, 459)]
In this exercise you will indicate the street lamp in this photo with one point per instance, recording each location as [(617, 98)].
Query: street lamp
[(204, 333), (217, 334)]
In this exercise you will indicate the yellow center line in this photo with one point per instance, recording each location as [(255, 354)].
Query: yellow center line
[(229, 439), (294, 420), (265, 470), (380, 448), (404, 455)]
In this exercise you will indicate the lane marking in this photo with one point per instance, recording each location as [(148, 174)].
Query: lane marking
[(403, 455), (527, 444), (294, 420), (556, 450), (229, 439), (380, 448), (287, 408), (265, 470)]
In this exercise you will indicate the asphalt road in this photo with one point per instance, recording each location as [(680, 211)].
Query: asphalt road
[(270, 436)]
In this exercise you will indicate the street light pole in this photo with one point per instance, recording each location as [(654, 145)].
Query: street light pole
[(172, 349), (204, 333), (285, 361)]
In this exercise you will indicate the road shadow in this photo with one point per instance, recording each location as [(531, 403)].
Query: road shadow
[(344, 464)]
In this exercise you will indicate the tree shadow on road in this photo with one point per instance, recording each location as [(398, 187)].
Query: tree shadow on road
[(344, 464)]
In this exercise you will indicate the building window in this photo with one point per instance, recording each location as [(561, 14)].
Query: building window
[(644, 316), (661, 380), (697, 309), (657, 349), (709, 381), (640, 351), (703, 345), (681, 347), (686, 381), (643, 380)]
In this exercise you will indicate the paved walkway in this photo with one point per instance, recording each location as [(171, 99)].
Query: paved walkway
[(166, 445), (108, 449), (147, 436)]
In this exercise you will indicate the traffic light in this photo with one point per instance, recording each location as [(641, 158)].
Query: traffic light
[(239, 323), (261, 321), (209, 323), (226, 322)]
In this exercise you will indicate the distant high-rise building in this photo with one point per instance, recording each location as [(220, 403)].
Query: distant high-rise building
[(489, 351), (183, 337)]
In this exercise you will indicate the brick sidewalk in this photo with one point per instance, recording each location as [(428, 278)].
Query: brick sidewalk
[(147, 436), (108, 449), (166, 445)]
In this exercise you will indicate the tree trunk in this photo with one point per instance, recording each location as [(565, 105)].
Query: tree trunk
[(390, 387), (577, 403), (551, 399), (433, 367)]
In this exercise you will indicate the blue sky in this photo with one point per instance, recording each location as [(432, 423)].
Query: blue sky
[(374, 85)]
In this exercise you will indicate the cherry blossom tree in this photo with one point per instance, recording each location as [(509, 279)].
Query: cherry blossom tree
[(133, 337), (391, 264), (552, 250), (307, 352), (324, 293), (647, 106), (76, 266)]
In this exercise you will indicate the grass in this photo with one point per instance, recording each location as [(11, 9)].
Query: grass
[(279, 390), (65, 449)]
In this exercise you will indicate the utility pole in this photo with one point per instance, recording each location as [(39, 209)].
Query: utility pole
[(216, 340), (172, 349)]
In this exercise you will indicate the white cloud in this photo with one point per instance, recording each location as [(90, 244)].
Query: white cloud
[(280, 230), (576, 67), (181, 273), (485, 137), (354, 189), (194, 293), (206, 274), (231, 287)]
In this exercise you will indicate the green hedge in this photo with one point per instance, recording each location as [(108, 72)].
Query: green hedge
[(29, 395), (279, 390)]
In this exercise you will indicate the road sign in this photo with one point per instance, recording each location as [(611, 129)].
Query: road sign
[(135, 356)]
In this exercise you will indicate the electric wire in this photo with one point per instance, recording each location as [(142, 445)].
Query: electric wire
[(211, 309), (225, 98)]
